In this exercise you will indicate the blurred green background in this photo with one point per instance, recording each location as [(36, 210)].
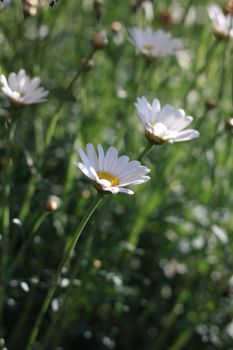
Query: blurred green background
[(152, 271)]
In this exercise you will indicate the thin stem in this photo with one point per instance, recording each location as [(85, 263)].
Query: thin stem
[(5, 216), (186, 11), (182, 339), (39, 220), (146, 151), (55, 119), (199, 71), (27, 199), (67, 255), (48, 137)]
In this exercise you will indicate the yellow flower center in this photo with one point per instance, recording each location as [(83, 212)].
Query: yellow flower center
[(148, 47), (109, 177)]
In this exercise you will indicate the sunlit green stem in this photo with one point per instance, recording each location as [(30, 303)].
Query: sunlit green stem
[(67, 254), (27, 199), (146, 151)]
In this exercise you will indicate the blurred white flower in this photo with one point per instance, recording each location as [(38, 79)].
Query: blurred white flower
[(229, 329), (22, 90), (110, 173), (220, 234), (164, 124), (172, 267), (223, 24), (4, 3), (154, 45)]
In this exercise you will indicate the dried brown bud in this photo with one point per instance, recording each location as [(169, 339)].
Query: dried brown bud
[(166, 18), (228, 8), (210, 104), (4, 160), (116, 26), (99, 40), (52, 203)]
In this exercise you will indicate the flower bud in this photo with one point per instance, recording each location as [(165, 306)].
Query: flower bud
[(86, 194), (99, 40), (52, 203), (97, 263), (210, 104), (30, 7), (116, 26), (166, 18), (229, 124), (4, 160), (228, 9)]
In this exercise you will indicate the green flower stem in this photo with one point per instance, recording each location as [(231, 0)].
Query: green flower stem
[(5, 215), (59, 319), (146, 151), (226, 58), (70, 169), (182, 339), (39, 220), (48, 138), (27, 199), (198, 72), (52, 126), (232, 74), (67, 254)]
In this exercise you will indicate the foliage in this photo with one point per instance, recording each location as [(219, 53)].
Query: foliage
[(152, 271)]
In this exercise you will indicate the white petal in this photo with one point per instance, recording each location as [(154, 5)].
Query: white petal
[(103, 182), (160, 129), (126, 190), (101, 158), (110, 159), (120, 165), (84, 158), (136, 182), (91, 153), (186, 135), (86, 171), (12, 80), (87, 163), (155, 110)]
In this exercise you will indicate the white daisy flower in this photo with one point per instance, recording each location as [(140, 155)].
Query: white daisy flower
[(223, 24), (110, 173), (4, 3), (22, 90), (164, 124), (154, 45)]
